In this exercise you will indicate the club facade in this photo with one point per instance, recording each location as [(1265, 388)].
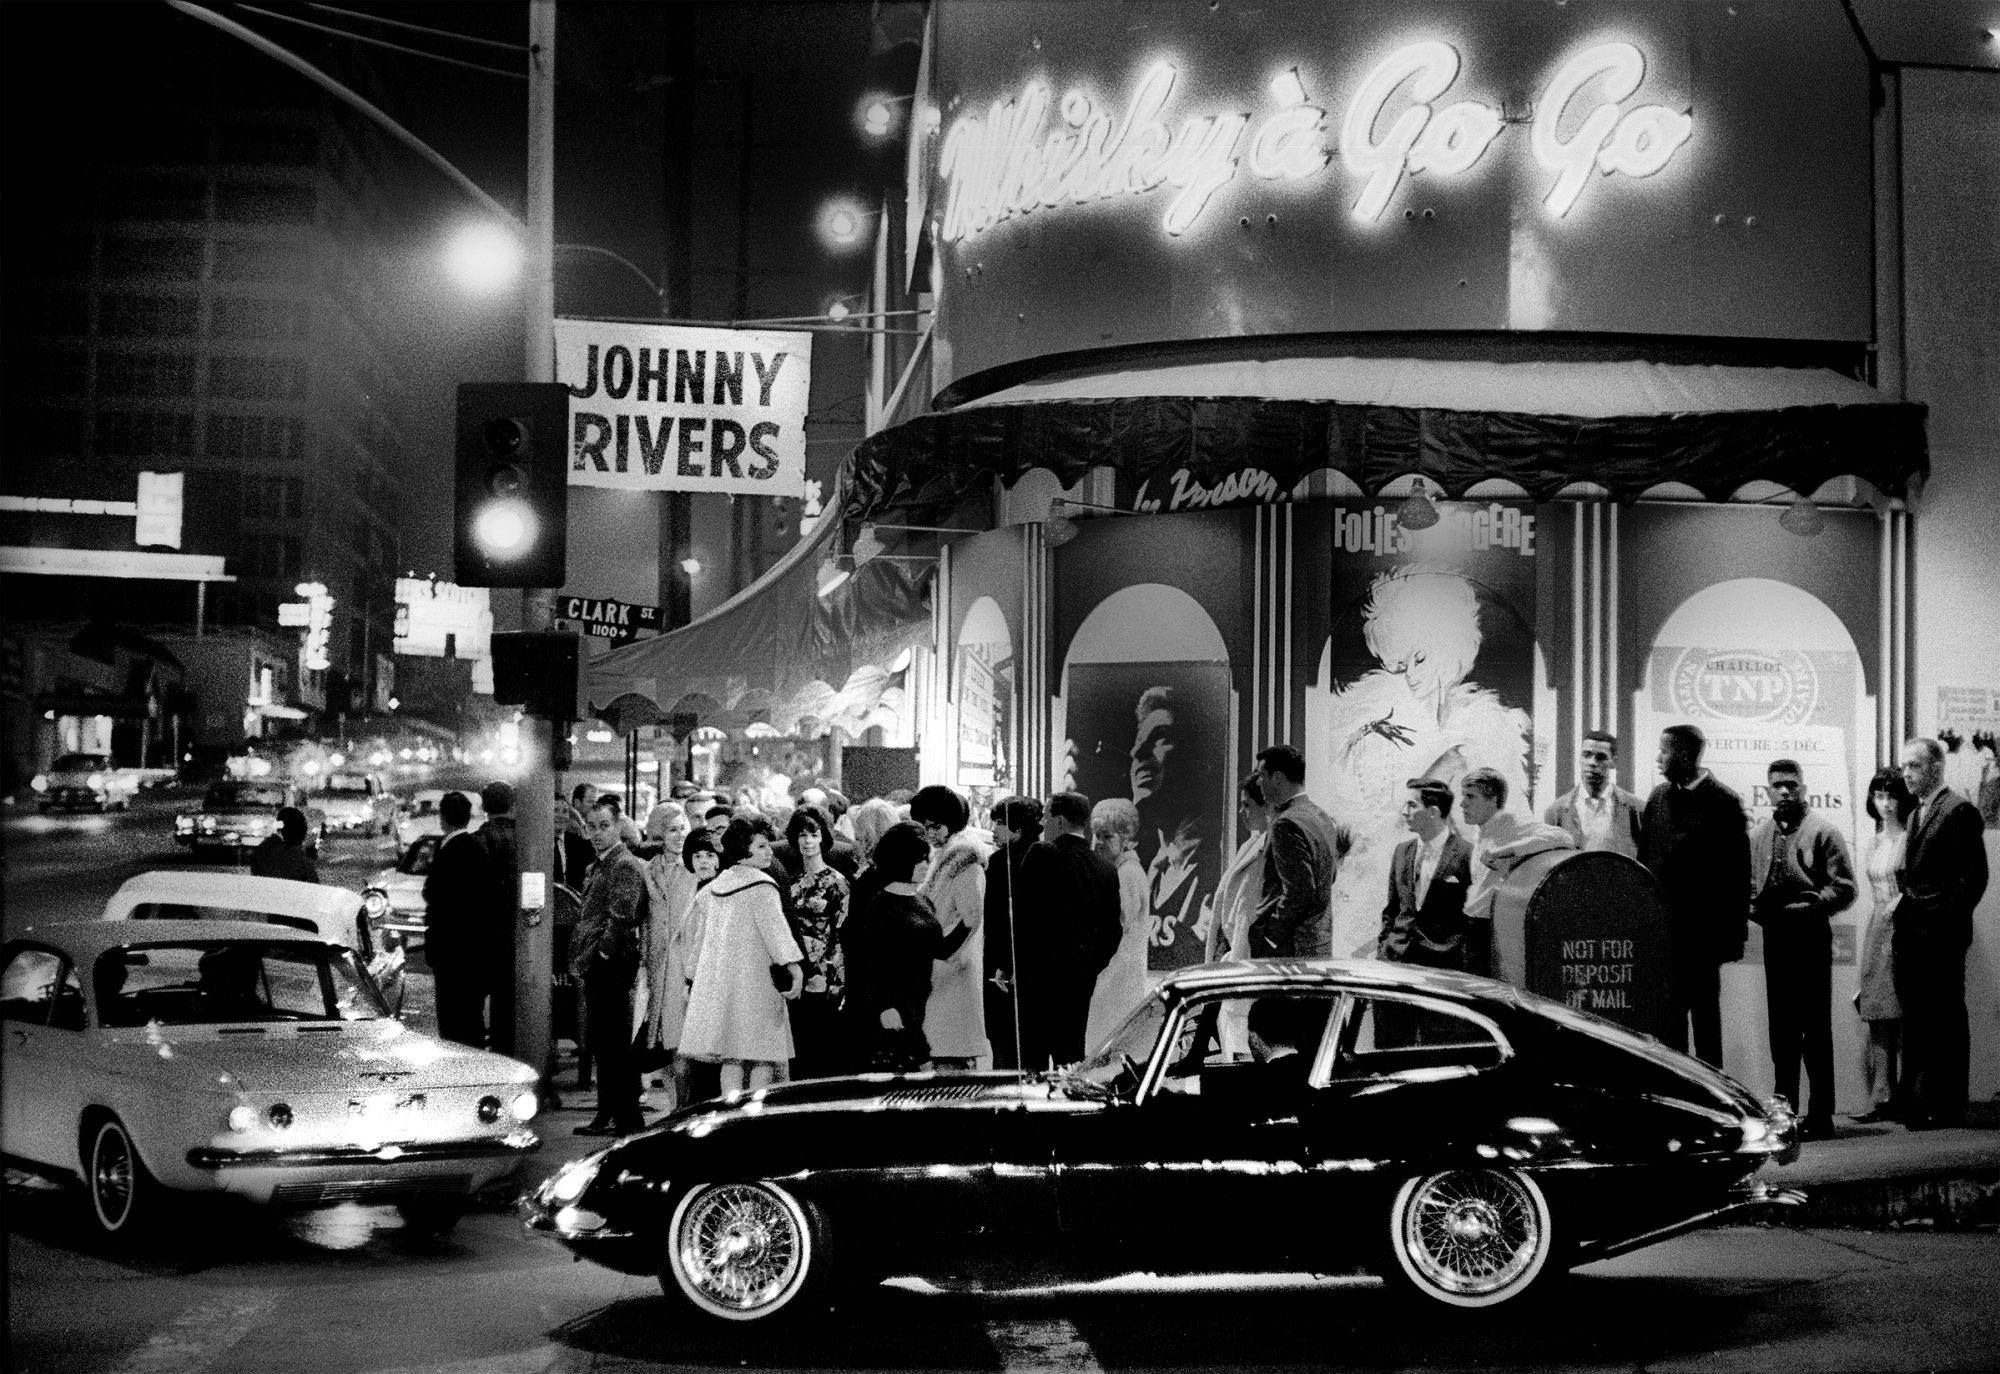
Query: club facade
[(1421, 384)]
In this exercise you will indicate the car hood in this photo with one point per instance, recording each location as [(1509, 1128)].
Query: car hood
[(238, 817), (875, 1093), (283, 1057), (392, 878), (331, 803)]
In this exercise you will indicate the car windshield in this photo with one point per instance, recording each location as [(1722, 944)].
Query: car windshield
[(237, 796), (342, 783), (78, 763), (1119, 1062), (211, 982)]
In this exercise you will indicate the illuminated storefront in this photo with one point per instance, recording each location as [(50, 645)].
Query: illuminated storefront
[(1217, 288)]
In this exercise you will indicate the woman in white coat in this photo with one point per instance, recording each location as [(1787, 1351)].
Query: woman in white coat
[(1121, 985), (736, 1012), (955, 1017)]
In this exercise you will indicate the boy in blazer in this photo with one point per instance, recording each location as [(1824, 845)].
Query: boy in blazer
[(1424, 920)]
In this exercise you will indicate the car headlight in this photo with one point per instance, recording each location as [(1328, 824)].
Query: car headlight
[(375, 903), (183, 824), (525, 1105), (40, 782), (573, 1178), (242, 1117), (94, 781), (207, 823)]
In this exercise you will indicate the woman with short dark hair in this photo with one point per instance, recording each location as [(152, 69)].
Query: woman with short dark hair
[(736, 1011), (904, 941), (819, 909), (1889, 806), (955, 1021)]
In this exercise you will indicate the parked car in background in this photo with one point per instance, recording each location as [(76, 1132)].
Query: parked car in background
[(357, 803), (394, 897), (335, 914), (236, 816), (1466, 1141), (419, 815), (85, 782), (243, 1058)]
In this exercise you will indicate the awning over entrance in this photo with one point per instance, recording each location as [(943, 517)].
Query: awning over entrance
[(1626, 425), (777, 651)]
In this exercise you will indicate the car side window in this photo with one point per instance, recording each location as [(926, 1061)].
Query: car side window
[(1272, 1037), (418, 860), (28, 986), (67, 1014), (1392, 1037)]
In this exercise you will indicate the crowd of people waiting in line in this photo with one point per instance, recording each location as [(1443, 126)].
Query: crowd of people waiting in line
[(727, 947)]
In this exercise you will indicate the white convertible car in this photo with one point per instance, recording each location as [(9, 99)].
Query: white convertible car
[(242, 1057), (332, 913)]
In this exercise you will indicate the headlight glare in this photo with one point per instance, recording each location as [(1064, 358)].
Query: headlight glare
[(569, 1185), (242, 1117), (94, 781), (524, 1106), (40, 782)]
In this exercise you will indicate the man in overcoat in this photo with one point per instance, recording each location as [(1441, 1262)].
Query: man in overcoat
[(1942, 880)]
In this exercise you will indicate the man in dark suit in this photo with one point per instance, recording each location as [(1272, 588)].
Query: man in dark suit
[(1017, 824), (1697, 843), (1424, 921), (1066, 929), (604, 954), (460, 923), (1942, 879), (1294, 917)]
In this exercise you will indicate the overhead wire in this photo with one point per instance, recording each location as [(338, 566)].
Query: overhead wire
[(419, 28), (383, 43)]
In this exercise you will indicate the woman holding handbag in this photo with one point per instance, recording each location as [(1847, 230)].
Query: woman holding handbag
[(749, 966)]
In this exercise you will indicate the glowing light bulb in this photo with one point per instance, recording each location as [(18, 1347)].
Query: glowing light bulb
[(484, 257)]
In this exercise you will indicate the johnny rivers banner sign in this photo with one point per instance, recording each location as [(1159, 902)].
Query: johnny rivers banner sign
[(668, 408)]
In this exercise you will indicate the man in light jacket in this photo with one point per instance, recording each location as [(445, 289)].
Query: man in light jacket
[(1597, 813), (1800, 876)]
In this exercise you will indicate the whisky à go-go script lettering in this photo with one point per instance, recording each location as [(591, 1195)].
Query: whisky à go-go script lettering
[(1029, 152)]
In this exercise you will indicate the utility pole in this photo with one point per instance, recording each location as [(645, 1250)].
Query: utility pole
[(534, 804)]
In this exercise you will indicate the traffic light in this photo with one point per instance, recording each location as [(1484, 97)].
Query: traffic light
[(513, 484)]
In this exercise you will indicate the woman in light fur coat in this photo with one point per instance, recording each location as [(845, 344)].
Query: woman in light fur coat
[(955, 1017)]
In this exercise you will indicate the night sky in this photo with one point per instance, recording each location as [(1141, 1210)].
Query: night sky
[(78, 78)]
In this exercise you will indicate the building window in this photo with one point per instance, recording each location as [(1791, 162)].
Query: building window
[(272, 555), (145, 374), (257, 379), (169, 198), (274, 498), (249, 317), (133, 317), (35, 431), (265, 204), (259, 260), (48, 312), (176, 259), (259, 437), (144, 433)]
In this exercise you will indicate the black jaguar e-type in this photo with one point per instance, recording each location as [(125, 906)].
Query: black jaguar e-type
[(1459, 1137)]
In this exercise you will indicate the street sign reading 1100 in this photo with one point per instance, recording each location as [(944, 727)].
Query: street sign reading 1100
[(601, 618)]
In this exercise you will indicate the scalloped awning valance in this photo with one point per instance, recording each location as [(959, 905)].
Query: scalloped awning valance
[(1625, 425)]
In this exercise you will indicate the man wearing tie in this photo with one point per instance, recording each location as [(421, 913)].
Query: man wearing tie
[(1943, 877), (1424, 920)]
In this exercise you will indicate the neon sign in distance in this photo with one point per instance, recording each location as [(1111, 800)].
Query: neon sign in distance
[(1012, 160)]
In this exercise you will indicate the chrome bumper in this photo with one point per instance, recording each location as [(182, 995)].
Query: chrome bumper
[(1744, 1197), (423, 1152)]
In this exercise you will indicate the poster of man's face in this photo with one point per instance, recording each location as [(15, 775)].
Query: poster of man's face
[(1158, 734)]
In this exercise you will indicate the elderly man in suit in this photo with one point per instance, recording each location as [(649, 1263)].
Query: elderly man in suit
[(1800, 876), (1697, 842), (1424, 921), (1942, 880), (1597, 812)]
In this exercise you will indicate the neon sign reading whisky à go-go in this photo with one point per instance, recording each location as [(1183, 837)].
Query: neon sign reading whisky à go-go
[(1023, 154)]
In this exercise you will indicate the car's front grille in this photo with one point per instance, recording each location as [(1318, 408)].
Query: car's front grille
[(942, 1092), (370, 1190)]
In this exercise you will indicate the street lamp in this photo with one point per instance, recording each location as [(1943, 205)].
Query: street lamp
[(878, 114), (484, 258), (842, 223)]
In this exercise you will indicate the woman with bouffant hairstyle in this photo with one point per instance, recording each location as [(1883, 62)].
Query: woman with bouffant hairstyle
[(736, 1009)]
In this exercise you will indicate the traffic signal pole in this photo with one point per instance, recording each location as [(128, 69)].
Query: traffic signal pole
[(534, 804)]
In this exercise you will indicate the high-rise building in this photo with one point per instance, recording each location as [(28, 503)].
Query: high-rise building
[(199, 288)]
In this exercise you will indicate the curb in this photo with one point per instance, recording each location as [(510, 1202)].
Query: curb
[(1955, 1200)]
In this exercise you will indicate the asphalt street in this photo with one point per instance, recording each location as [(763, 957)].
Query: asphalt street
[(226, 1287)]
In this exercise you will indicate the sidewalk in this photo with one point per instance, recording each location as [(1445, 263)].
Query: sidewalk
[(1879, 1176)]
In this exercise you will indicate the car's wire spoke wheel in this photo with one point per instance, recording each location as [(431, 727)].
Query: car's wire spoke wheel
[(116, 1177), (741, 1251), (1471, 1237)]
